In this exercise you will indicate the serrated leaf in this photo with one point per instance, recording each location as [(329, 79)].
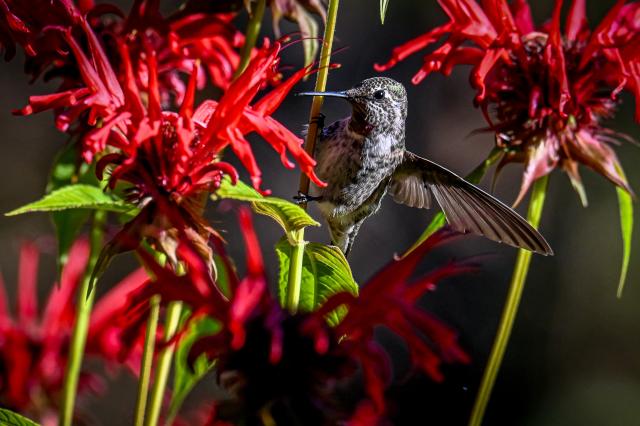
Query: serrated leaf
[(384, 4), (9, 418), (79, 196), (325, 272), (625, 203), (187, 376), (290, 216)]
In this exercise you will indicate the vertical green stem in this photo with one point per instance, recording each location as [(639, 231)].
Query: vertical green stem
[(297, 256), (84, 302), (295, 273), (251, 36), (510, 309), (163, 366), (321, 85), (147, 359)]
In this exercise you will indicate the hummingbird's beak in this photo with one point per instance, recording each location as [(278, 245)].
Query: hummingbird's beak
[(329, 94)]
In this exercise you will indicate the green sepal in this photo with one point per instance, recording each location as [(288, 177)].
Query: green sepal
[(625, 204), (384, 4)]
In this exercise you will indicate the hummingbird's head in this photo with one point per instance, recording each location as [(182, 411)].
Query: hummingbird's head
[(379, 104)]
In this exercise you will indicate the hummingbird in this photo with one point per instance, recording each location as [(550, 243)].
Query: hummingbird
[(363, 157)]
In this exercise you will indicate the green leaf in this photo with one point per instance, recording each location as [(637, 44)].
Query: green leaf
[(384, 4), (625, 203), (290, 216), (78, 196), (68, 224), (9, 418), (68, 168), (325, 272), (187, 376)]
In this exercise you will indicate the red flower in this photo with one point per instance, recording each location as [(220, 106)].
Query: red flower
[(118, 321), (26, 23), (99, 100), (544, 92), (171, 161), (34, 347), (182, 40), (270, 358)]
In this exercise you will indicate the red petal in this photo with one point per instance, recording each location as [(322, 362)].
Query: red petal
[(60, 309), (27, 283), (541, 160), (255, 266), (522, 16), (576, 20)]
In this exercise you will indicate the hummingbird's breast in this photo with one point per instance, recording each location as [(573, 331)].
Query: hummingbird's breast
[(356, 167)]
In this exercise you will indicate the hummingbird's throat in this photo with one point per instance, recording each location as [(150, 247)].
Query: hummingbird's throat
[(359, 124)]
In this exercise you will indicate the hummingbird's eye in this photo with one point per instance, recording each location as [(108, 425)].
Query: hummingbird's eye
[(378, 94)]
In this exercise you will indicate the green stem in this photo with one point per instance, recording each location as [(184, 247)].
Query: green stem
[(297, 256), (147, 359), (295, 271), (84, 302), (510, 309), (251, 36), (174, 310)]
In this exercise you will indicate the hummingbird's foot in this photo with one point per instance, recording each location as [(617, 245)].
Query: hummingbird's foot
[(318, 120), (303, 198)]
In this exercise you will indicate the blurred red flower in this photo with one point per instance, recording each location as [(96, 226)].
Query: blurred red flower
[(273, 360), (34, 347), (544, 92)]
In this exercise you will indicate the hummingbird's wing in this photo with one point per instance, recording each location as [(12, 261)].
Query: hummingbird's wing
[(467, 207)]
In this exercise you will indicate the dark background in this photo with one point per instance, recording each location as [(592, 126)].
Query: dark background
[(574, 356)]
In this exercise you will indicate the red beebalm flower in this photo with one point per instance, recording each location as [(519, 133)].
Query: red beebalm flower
[(273, 360), (26, 23), (171, 160), (181, 40), (544, 92), (99, 100), (34, 346)]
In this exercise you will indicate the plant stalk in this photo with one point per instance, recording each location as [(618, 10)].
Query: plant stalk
[(163, 366), (297, 256), (251, 36), (321, 85), (510, 309), (295, 271), (85, 298), (147, 360)]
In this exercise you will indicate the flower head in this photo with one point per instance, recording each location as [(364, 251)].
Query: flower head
[(271, 359), (34, 345), (544, 91), (186, 38), (27, 23), (170, 160)]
